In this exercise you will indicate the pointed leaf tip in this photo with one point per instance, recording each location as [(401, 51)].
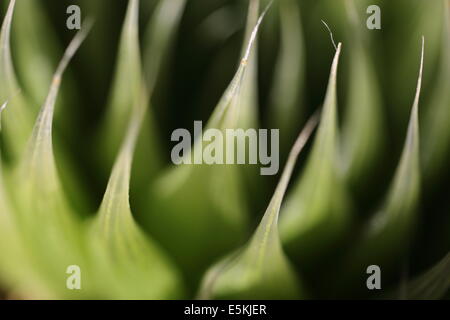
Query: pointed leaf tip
[(122, 237), (6, 27), (116, 196), (407, 177), (419, 80), (307, 219), (18, 121), (300, 142), (254, 33), (389, 231), (217, 215), (43, 125), (125, 90), (363, 138), (260, 269), (224, 115)]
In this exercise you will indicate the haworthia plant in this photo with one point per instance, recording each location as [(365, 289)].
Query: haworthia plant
[(362, 194)]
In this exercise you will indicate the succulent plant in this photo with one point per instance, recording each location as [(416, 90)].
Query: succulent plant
[(90, 188)]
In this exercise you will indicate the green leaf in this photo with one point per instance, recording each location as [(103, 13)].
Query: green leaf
[(160, 31), (260, 270), (253, 183), (389, 231), (125, 89), (418, 18), (17, 119), (398, 212), (36, 180), (35, 44), (13, 265), (248, 110), (139, 268), (199, 202), (317, 210)]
